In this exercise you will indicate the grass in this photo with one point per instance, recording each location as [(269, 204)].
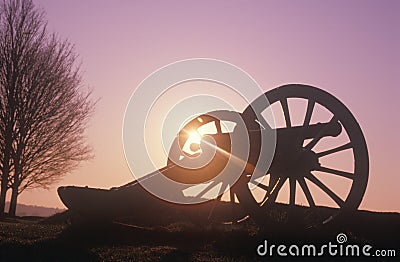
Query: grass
[(53, 239)]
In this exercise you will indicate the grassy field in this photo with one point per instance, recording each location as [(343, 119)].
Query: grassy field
[(54, 239)]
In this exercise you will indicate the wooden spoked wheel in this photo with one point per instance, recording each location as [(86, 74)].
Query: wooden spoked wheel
[(321, 164), (222, 205)]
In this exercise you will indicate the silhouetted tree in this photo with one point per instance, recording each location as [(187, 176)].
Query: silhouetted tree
[(43, 110)]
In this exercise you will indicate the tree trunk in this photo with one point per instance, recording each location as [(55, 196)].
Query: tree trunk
[(13, 203), (16, 183), (4, 184), (6, 151), (3, 192)]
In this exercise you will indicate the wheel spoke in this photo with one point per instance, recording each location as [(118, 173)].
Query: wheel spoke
[(310, 109), (218, 126), (320, 134), (336, 172), (205, 190), (277, 187), (334, 150), (232, 206), (292, 191), (262, 186), (261, 120), (285, 108), (273, 193), (324, 188), (306, 191), (222, 190), (231, 196), (218, 199)]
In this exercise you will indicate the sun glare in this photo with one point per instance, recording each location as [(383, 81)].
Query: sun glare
[(194, 137), (194, 141)]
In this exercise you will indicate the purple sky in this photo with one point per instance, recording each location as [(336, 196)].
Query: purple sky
[(349, 48)]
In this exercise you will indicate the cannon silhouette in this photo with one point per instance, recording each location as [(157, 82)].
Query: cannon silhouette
[(296, 170)]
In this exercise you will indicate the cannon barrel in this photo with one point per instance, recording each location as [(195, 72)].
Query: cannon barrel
[(308, 132)]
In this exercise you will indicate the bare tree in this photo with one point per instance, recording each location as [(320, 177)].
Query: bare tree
[(43, 109)]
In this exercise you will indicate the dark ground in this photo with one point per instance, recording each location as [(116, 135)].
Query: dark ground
[(53, 239)]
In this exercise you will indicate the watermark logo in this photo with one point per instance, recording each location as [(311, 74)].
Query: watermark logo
[(341, 238), (331, 249)]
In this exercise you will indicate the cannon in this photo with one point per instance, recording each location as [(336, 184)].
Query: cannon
[(315, 192)]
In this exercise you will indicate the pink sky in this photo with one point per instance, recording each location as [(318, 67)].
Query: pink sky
[(348, 48)]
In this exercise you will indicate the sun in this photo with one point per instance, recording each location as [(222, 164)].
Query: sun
[(194, 141)]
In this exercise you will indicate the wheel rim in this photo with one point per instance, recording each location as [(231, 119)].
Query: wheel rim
[(359, 177)]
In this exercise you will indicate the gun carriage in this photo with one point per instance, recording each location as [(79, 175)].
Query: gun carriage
[(292, 168)]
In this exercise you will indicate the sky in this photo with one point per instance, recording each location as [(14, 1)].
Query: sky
[(348, 48)]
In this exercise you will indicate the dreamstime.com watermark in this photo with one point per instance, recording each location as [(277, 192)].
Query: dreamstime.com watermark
[(330, 249)]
